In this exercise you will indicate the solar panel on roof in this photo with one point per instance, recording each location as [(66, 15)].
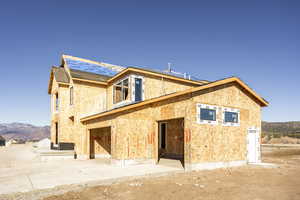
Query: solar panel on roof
[(89, 67)]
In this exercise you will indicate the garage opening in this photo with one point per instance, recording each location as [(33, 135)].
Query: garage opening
[(171, 142), (100, 143)]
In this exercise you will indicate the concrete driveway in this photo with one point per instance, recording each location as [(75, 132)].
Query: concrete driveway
[(22, 171)]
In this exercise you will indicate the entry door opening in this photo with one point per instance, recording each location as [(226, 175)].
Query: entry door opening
[(171, 142), (253, 146), (100, 143)]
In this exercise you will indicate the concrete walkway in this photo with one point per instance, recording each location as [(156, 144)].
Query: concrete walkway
[(32, 174)]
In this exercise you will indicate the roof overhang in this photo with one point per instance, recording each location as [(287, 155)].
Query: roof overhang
[(259, 99)]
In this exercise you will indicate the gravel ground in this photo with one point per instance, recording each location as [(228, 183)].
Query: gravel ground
[(248, 182)]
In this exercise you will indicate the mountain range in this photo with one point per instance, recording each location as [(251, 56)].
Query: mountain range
[(30, 132), (24, 131)]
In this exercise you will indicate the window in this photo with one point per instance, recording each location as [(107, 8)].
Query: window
[(206, 114), (231, 117), (71, 96), (121, 91), (138, 89), (56, 102)]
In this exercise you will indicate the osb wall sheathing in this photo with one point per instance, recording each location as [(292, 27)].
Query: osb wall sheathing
[(61, 117), (54, 117), (88, 99), (154, 87), (174, 137), (216, 143), (101, 141), (136, 130)]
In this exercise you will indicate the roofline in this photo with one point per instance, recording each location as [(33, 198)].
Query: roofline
[(51, 80), (149, 72), (133, 69), (81, 59), (90, 81), (157, 99)]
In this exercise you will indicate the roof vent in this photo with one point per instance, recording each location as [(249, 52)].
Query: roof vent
[(179, 74)]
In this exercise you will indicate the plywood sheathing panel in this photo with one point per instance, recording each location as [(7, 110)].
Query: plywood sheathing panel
[(88, 98), (154, 87), (175, 137), (203, 143), (221, 143)]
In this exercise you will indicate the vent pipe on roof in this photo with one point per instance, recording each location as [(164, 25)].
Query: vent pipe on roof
[(169, 67), (183, 75)]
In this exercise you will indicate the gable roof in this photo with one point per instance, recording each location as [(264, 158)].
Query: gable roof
[(89, 67), (60, 75), (259, 99)]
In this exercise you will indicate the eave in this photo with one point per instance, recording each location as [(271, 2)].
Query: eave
[(261, 101)]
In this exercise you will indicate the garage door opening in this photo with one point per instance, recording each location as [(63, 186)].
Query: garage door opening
[(100, 143), (171, 142)]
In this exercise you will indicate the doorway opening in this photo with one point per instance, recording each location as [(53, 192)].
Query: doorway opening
[(171, 142), (100, 143)]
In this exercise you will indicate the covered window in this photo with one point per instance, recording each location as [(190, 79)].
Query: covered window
[(71, 96), (231, 117), (121, 91), (206, 114)]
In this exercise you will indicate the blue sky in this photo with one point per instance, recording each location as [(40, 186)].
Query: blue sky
[(258, 41)]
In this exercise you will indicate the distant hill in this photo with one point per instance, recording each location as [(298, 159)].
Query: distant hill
[(24, 131), (281, 127)]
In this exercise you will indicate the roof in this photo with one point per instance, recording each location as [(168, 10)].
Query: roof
[(89, 66), (60, 75), (2, 138), (185, 76), (156, 73), (77, 74), (261, 101)]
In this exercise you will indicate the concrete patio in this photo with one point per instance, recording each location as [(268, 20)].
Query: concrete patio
[(22, 171)]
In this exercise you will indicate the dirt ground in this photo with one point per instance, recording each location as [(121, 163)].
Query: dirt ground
[(248, 182)]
